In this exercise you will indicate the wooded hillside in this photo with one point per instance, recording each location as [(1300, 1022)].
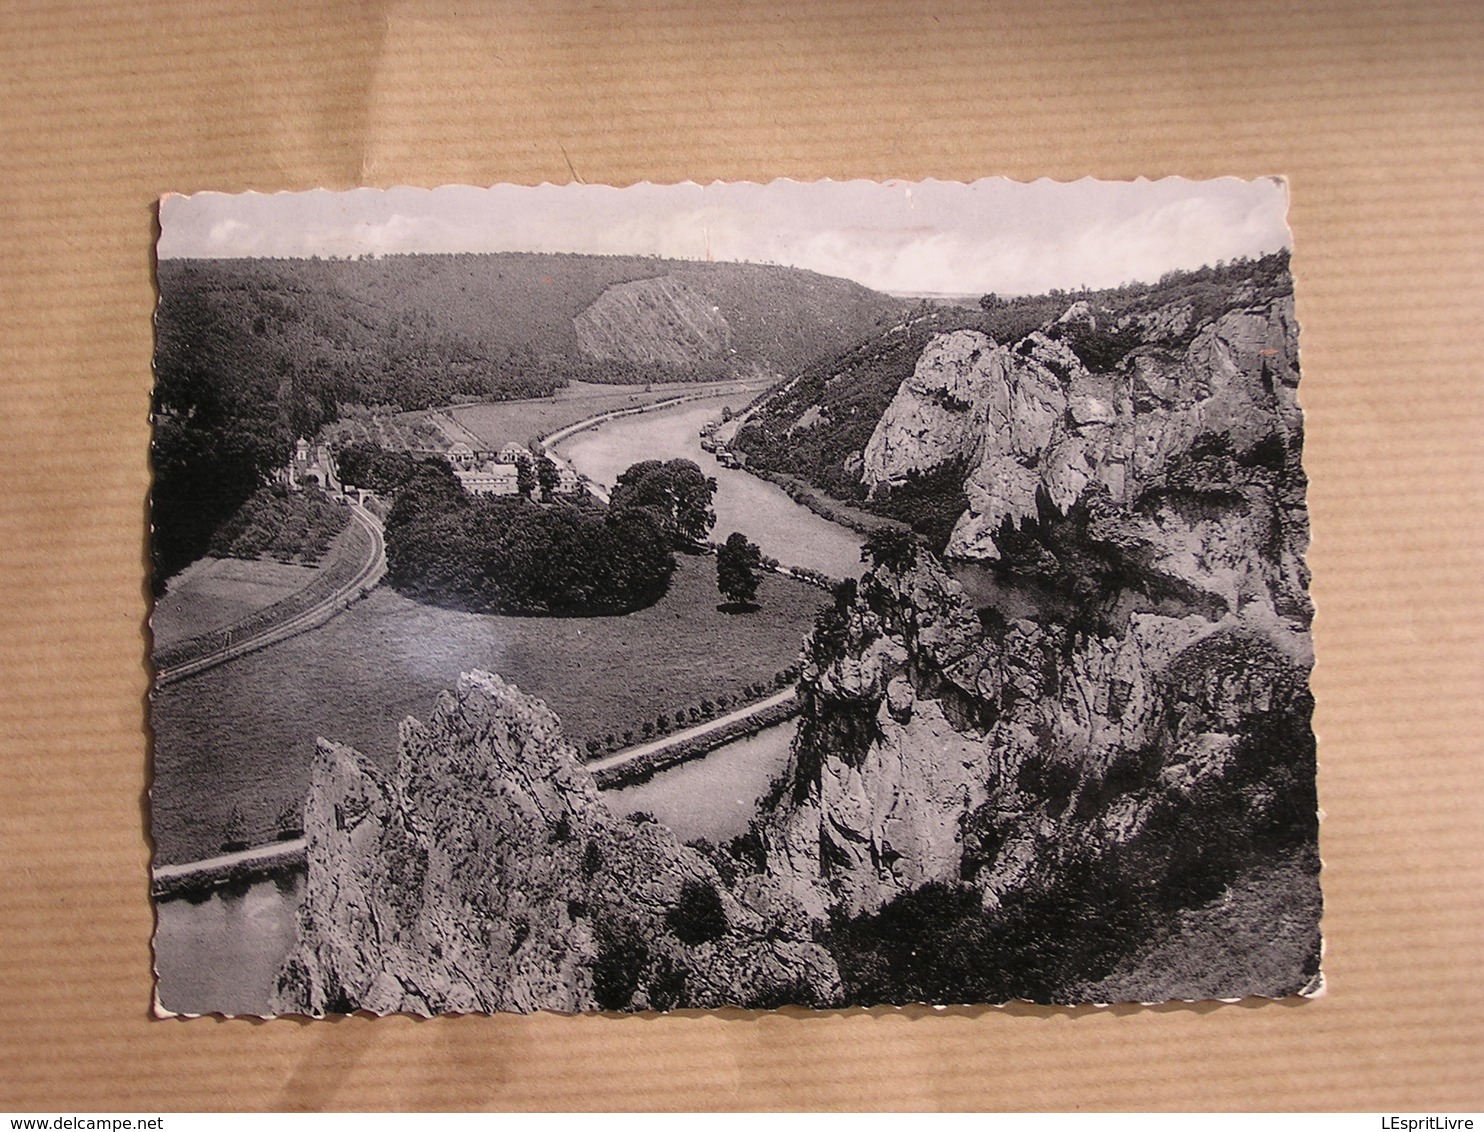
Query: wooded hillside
[(251, 353)]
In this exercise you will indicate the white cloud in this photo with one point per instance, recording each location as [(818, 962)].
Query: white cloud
[(228, 234), (993, 235)]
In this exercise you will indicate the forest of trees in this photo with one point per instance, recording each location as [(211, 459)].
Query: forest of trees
[(508, 554), (252, 353)]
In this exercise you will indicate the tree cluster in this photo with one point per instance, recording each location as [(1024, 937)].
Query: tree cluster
[(511, 555), (677, 494), (364, 464), (282, 525)]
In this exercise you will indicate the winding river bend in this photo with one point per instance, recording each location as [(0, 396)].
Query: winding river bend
[(762, 511), (223, 953)]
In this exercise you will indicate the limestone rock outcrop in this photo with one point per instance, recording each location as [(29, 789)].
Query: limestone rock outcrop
[(659, 321), (487, 874), (1034, 426), (941, 413), (1120, 731), (934, 750)]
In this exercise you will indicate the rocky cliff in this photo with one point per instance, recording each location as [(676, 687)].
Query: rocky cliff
[(1111, 747), (1114, 778), (1032, 421), (659, 321), (487, 874)]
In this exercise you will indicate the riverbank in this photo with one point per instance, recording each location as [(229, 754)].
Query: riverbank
[(196, 879), (631, 767), (784, 530), (497, 423), (826, 506)]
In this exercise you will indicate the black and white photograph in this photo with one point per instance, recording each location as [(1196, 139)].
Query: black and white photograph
[(669, 597)]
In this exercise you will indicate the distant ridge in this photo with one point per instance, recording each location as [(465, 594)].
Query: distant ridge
[(252, 353), (961, 298)]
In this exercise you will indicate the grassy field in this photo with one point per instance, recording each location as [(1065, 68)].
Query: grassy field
[(242, 734), (517, 422), (212, 593)]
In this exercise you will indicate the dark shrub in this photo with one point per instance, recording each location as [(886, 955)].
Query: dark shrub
[(592, 860), (698, 916), (621, 957)]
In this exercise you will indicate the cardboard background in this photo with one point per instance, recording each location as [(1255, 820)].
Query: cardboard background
[(1374, 110)]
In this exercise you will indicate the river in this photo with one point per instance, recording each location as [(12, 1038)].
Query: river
[(223, 953), (762, 511), (713, 797)]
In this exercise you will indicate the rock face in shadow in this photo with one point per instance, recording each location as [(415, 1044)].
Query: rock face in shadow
[(487, 874)]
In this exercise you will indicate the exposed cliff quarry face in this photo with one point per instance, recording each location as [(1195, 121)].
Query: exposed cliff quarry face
[(487, 874), (658, 321)]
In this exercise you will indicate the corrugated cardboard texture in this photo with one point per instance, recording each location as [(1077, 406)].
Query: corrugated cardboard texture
[(1376, 113)]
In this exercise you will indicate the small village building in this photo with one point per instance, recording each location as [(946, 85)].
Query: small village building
[(492, 478), (310, 464), (462, 457), (513, 454)]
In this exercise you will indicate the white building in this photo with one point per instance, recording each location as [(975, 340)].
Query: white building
[(513, 454), (461, 457), (490, 479), (310, 464)]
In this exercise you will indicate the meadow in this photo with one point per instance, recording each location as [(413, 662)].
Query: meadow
[(240, 736), (212, 593)]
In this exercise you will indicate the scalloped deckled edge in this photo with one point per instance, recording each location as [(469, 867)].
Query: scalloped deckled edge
[(1317, 987)]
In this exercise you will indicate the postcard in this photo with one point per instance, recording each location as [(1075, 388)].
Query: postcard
[(581, 598)]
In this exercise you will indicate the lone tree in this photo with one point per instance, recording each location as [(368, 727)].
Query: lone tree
[(737, 565), (546, 476)]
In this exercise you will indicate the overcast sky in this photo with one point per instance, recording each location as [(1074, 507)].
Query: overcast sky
[(934, 236)]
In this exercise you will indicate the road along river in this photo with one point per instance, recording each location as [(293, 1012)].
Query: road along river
[(223, 952)]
